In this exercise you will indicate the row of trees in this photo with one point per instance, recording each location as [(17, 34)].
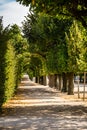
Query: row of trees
[(13, 51), (56, 30), (56, 45), (60, 45)]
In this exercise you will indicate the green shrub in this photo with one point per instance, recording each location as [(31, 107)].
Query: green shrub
[(3, 48), (7, 72)]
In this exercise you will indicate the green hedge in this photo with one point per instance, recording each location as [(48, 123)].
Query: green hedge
[(7, 72), (19, 69)]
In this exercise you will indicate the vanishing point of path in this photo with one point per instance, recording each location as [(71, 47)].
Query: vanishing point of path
[(38, 107)]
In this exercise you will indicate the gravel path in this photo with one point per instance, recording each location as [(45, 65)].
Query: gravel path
[(38, 107)]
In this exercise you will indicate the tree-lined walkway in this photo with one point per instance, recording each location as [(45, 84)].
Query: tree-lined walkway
[(38, 107)]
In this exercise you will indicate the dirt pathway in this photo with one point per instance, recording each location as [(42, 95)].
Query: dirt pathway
[(38, 107)]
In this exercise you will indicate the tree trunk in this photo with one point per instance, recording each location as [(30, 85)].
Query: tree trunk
[(44, 80), (37, 80), (55, 81), (71, 83), (64, 89), (41, 80), (51, 81), (60, 82)]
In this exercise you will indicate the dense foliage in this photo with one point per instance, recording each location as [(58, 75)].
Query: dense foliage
[(12, 47), (56, 44), (58, 40), (68, 8), (7, 66)]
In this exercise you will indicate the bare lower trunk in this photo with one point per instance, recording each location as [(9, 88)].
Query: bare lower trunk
[(64, 89), (71, 83), (60, 82), (55, 81), (44, 80), (37, 79), (41, 80), (51, 81)]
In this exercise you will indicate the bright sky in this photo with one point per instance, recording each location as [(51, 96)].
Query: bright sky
[(12, 12)]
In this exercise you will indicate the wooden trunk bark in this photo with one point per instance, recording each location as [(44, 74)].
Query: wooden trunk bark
[(51, 81), (71, 83), (44, 80), (64, 89), (55, 81), (41, 80), (37, 80), (60, 82)]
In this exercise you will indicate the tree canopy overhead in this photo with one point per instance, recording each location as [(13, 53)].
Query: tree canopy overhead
[(73, 8)]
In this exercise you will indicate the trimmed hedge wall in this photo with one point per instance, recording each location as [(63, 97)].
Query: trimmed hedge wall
[(7, 72)]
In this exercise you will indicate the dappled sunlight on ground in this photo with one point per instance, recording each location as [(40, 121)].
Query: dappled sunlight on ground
[(38, 107), (45, 123)]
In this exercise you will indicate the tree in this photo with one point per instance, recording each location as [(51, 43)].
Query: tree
[(13, 55), (7, 66), (83, 55), (21, 48), (46, 37), (72, 8), (1, 25), (74, 41)]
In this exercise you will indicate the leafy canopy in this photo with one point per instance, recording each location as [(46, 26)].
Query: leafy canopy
[(73, 8)]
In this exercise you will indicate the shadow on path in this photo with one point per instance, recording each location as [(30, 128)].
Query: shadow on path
[(38, 107)]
